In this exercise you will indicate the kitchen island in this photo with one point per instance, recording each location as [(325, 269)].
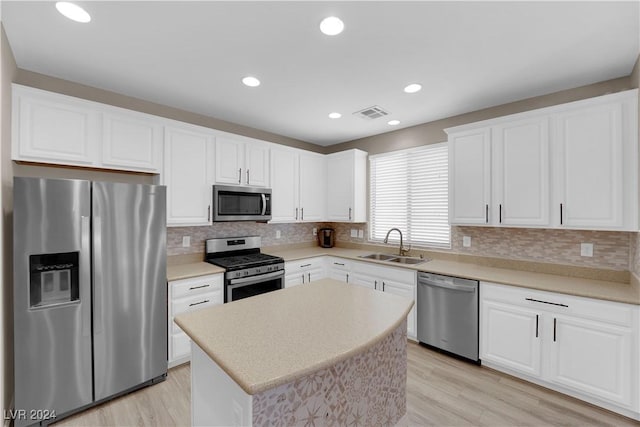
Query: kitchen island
[(323, 353)]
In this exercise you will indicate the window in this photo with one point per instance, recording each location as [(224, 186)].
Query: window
[(409, 190)]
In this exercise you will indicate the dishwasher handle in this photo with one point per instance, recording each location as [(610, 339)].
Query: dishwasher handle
[(451, 286)]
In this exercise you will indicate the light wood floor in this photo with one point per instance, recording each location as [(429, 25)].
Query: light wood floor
[(441, 391)]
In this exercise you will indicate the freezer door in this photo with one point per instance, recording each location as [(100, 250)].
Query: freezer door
[(130, 289), (52, 296)]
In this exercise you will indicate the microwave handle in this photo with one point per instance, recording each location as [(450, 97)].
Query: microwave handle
[(264, 204)]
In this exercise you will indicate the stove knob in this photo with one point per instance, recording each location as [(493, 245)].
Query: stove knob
[(246, 273)]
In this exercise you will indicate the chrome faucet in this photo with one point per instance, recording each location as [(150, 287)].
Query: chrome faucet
[(401, 251)]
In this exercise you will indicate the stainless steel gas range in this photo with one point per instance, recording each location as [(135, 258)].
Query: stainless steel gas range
[(248, 271)]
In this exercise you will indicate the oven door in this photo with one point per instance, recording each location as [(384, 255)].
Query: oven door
[(235, 203), (245, 287)]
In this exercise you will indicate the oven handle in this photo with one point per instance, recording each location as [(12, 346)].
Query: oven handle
[(256, 279), (264, 204)]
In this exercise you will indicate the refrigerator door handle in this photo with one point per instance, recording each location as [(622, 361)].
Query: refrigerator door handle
[(85, 274), (97, 275)]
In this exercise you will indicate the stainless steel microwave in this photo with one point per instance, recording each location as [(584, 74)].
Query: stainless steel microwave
[(236, 203)]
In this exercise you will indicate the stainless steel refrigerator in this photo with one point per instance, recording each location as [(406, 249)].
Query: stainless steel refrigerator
[(90, 293)]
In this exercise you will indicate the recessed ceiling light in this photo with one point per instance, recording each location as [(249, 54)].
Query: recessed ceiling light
[(251, 81), (413, 88), (335, 115), (393, 122), (73, 12), (331, 26)]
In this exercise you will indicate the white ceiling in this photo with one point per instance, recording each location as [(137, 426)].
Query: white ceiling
[(192, 55)]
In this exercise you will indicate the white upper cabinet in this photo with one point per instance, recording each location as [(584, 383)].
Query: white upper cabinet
[(572, 166), (313, 186), (470, 177), (520, 169), (131, 142), (242, 162), (59, 129), (592, 143), (188, 175), (284, 185), (53, 128), (346, 186), (298, 185)]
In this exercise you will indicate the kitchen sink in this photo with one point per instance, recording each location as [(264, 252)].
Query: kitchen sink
[(408, 260), (395, 258), (379, 257)]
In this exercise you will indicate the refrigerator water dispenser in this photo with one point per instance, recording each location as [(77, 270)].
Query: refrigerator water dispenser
[(54, 279)]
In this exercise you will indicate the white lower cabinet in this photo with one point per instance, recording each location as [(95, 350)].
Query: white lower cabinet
[(396, 281), (579, 346), (304, 271), (339, 269), (187, 295)]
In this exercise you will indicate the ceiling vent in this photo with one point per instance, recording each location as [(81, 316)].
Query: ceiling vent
[(371, 113)]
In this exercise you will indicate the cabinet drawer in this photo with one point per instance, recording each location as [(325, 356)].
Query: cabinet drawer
[(339, 264), (196, 302), (303, 264), (551, 302), (374, 270), (195, 286)]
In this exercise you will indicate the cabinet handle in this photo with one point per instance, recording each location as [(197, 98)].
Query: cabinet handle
[(198, 303), (500, 214), (247, 176), (349, 214), (560, 213), (309, 276), (383, 286), (305, 265), (338, 263), (347, 277), (198, 287), (209, 213), (546, 302), (554, 329), (303, 278), (536, 326), (296, 214), (486, 214), (240, 176), (302, 214), (375, 285)]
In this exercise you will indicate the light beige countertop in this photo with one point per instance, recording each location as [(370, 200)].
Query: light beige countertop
[(601, 289), (191, 269), (277, 337)]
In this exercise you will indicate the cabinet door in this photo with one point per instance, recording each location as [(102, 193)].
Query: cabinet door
[(591, 357), (407, 291), (340, 187), (470, 177), (520, 171), (131, 143), (188, 176), (229, 161), (364, 281), (510, 336), (313, 194), (257, 164), (316, 273), (293, 279), (284, 186), (590, 169), (51, 128)]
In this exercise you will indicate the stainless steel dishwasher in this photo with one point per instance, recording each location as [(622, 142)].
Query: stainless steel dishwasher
[(448, 314)]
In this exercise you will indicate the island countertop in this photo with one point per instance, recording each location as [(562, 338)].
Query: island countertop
[(275, 338)]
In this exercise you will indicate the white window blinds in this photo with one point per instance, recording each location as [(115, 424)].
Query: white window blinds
[(409, 190)]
